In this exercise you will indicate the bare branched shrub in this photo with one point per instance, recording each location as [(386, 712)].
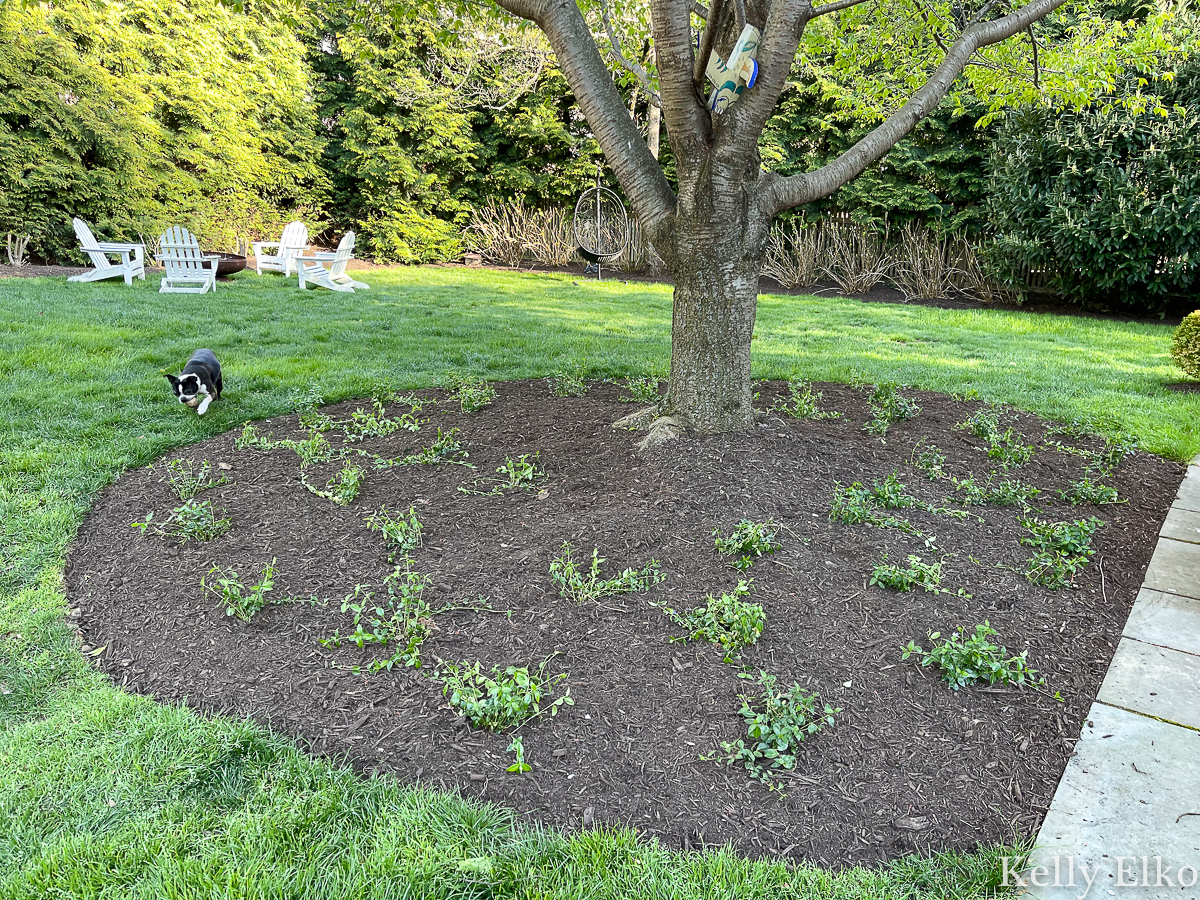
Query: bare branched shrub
[(18, 244), (855, 257), (500, 231), (548, 238), (971, 276), (639, 254), (922, 269), (794, 258)]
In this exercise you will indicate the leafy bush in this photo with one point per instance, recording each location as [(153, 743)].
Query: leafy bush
[(728, 620), (781, 722), (503, 699), (193, 520), (1105, 200), (471, 393), (641, 390), (1088, 491), (403, 533), (1185, 345), (1061, 549), (748, 541), (964, 660), (568, 384)]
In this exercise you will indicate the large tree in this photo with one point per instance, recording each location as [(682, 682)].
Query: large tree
[(711, 230)]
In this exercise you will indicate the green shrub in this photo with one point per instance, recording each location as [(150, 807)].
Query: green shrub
[(1185, 346), (503, 699), (1104, 200), (748, 541), (240, 600)]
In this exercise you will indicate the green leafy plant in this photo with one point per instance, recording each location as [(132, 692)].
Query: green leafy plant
[(929, 459), (446, 447), (1009, 492), (403, 534), (918, 573), (1185, 344), (504, 698), (401, 617), (375, 422), (1061, 549), (1088, 491), (193, 520), (747, 542), (471, 393), (1008, 450), (964, 660), (252, 439), (888, 407), (568, 384), (585, 585), (240, 600), (728, 620), (802, 403), (517, 749), (342, 487), (984, 423), (891, 494), (520, 473), (641, 390), (187, 479), (855, 505), (777, 722)]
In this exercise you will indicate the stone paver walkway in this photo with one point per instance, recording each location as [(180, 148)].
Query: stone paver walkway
[(1125, 820)]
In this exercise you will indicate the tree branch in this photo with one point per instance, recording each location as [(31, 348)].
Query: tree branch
[(745, 120), (686, 116), (579, 59), (800, 189), (707, 36), (835, 7), (618, 54)]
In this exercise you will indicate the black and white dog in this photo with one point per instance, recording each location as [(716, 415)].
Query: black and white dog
[(201, 375)]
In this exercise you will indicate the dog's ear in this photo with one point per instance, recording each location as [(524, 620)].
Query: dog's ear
[(171, 378)]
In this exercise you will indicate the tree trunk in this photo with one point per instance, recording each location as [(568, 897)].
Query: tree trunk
[(715, 261)]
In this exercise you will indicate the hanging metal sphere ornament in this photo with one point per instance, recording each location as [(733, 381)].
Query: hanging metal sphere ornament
[(601, 225)]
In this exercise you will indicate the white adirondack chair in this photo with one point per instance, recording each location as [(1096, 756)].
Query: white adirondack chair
[(189, 271), (282, 258), (132, 257), (311, 270)]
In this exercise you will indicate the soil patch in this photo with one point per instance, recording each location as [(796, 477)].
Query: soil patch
[(910, 765)]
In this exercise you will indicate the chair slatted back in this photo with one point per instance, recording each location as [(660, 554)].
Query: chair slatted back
[(180, 253), (345, 250), (90, 246)]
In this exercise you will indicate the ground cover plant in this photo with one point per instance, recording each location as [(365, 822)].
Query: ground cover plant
[(965, 660), (728, 620), (584, 585), (72, 739), (747, 542), (240, 599)]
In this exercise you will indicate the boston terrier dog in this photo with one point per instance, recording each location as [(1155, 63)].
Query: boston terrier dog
[(201, 375)]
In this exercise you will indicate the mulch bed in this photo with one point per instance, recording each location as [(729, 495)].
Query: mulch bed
[(910, 765)]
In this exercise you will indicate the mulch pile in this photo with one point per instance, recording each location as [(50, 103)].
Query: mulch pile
[(909, 766)]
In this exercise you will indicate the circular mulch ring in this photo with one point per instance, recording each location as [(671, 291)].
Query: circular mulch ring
[(910, 764)]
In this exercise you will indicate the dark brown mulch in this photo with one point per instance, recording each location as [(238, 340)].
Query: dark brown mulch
[(910, 765)]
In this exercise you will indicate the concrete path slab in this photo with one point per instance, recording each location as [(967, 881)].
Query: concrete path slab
[(1122, 798), (1189, 492), (1167, 620), (1182, 525), (1155, 681), (1175, 568)]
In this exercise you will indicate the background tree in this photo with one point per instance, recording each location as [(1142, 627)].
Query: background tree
[(711, 229)]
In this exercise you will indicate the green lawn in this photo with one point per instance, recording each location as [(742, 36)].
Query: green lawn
[(103, 794)]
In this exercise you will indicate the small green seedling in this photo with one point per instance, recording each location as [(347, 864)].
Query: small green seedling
[(403, 533), (187, 479), (193, 520), (342, 487), (585, 585), (471, 393), (918, 574), (747, 542), (777, 722), (517, 749), (802, 403), (568, 384), (887, 407), (641, 390), (1088, 491), (241, 601), (504, 698), (522, 472)]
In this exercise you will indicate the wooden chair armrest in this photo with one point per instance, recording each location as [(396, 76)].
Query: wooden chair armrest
[(258, 244), (317, 257), (118, 247)]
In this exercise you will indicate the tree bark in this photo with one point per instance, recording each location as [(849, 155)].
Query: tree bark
[(714, 252)]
